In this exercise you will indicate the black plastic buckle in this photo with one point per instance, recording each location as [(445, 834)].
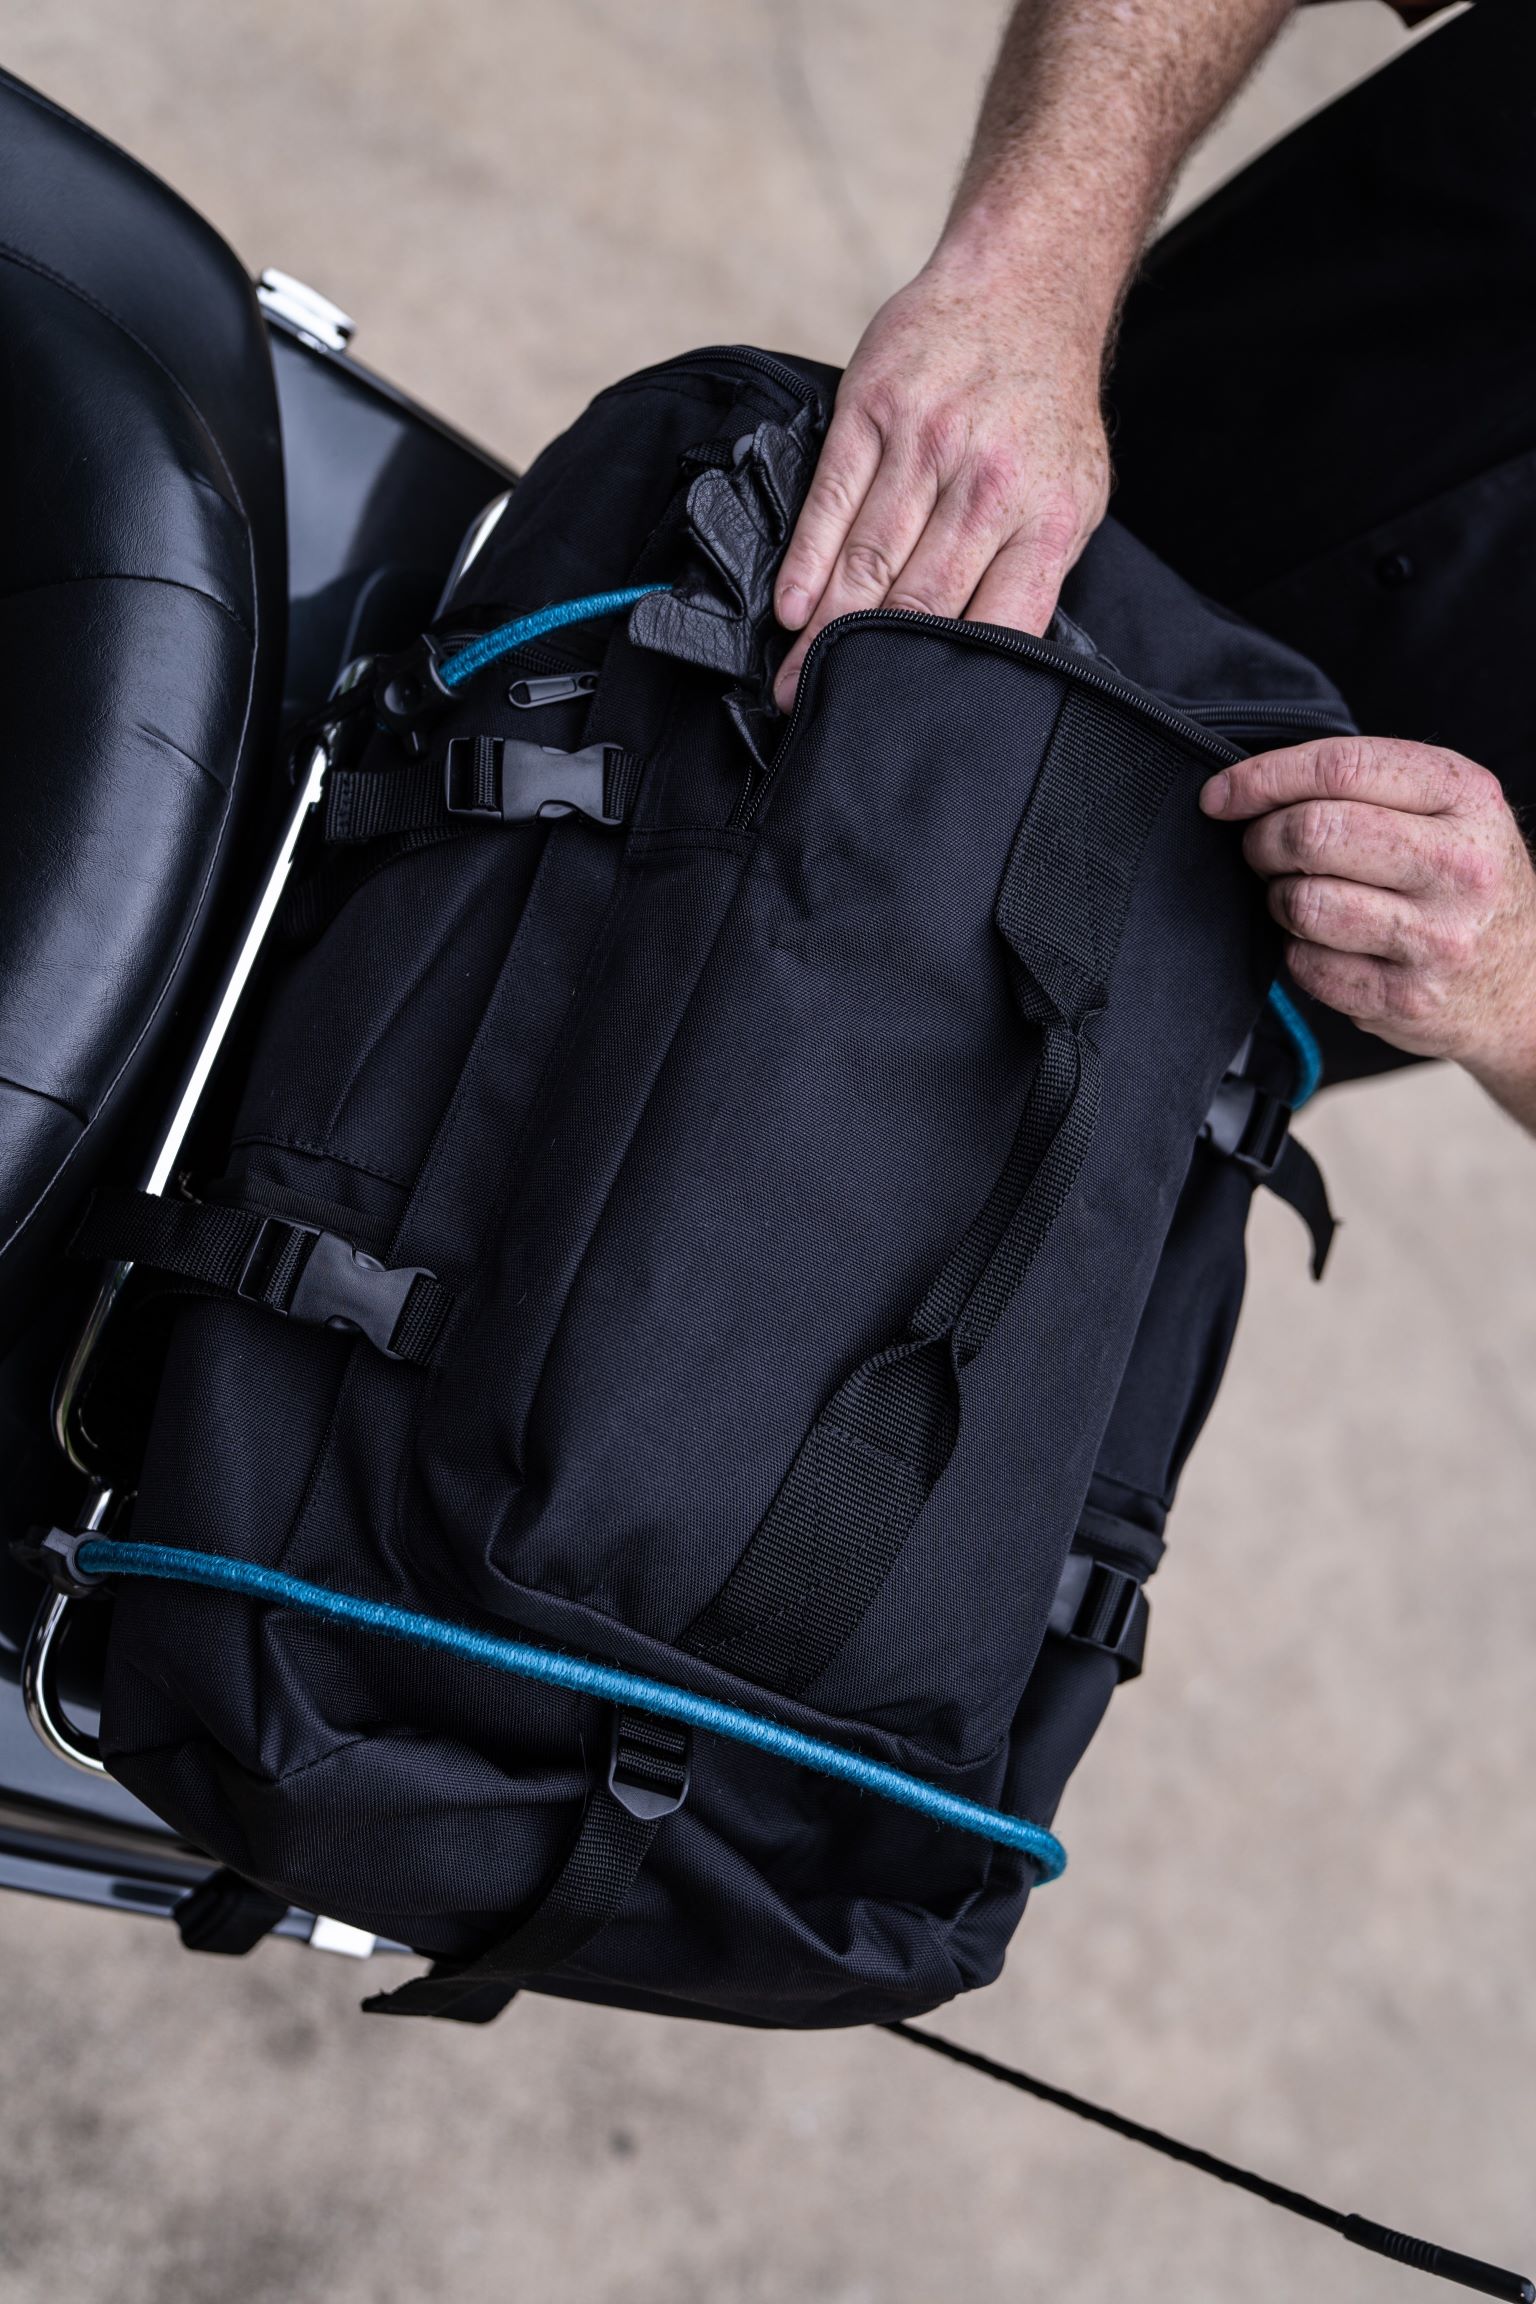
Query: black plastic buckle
[(1248, 1125), (1100, 1606), (335, 1286), (649, 1765), (501, 777)]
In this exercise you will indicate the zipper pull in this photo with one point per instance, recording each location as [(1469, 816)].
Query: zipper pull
[(556, 688)]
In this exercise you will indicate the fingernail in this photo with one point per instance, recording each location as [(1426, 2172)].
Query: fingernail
[(794, 606), (1214, 796)]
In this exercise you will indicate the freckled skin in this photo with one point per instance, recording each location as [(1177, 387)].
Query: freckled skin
[(966, 463), (1408, 895)]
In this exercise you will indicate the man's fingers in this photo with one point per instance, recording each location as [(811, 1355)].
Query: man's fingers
[(1350, 840), (1379, 995), (849, 460), (875, 550), (1020, 588), (1418, 779), (1378, 922), (1367, 990), (949, 559)]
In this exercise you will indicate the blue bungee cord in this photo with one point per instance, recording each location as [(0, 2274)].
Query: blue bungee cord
[(1309, 1056), (465, 662), (102, 1556)]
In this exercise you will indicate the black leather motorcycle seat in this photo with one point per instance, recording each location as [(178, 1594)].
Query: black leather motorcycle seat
[(142, 608)]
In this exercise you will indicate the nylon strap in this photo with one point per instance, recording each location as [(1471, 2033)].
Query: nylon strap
[(1297, 1180), (597, 1875), (611, 1844), (276, 1263), (409, 794), (870, 1461)]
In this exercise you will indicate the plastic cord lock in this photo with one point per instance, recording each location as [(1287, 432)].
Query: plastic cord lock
[(409, 693)]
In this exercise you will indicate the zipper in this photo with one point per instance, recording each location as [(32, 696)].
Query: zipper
[(1325, 718), (547, 656), (550, 688), (1022, 645), (715, 356)]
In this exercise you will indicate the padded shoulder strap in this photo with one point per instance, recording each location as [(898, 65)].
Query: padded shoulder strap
[(870, 1461)]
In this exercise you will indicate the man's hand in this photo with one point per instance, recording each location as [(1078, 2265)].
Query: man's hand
[(1407, 893), (964, 469), (965, 465)]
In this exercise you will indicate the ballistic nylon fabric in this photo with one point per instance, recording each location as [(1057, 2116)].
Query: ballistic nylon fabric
[(870, 1461)]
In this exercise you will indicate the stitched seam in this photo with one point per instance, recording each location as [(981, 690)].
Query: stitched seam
[(45, 272), (13, 255), (127, 576), (61, 1103), (321, 1152)]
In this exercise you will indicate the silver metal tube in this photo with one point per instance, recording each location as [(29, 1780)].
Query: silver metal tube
[(67, 1392)]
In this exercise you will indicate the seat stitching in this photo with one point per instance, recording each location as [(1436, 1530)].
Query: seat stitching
[(129, 576), (23, 1088)]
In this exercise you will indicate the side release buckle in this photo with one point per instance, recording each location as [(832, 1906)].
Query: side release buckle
[(328, 1284), (502, 777)]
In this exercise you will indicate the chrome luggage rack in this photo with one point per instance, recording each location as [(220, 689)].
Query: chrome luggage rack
[(104, 1501)]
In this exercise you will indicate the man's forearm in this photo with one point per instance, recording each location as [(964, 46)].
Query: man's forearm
[(1091, 109), (966, 465)]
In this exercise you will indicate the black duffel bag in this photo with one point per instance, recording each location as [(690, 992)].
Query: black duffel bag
[(729, 1233)]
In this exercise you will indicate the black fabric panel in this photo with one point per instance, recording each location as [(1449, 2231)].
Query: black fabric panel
[(871, 1459), (1345, 330)]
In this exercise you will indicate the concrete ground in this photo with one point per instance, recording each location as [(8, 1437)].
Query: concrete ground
[(1296, 1925)]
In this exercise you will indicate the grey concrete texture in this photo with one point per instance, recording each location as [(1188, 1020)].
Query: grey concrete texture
[(1295, 1927)]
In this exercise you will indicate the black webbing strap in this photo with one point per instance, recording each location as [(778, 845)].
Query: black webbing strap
[(869, 1462), (478, 780), (1297, 1180), (647, 1782), (291, 1268), (227, 1913), (1250, 1126)]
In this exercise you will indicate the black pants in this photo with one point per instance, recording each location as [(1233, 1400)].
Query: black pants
[(1324, 403)]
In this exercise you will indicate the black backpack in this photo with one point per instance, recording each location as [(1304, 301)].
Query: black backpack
[(723, 1236)]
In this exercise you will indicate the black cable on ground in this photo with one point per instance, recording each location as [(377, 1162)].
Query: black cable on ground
[(1380, 2239)]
